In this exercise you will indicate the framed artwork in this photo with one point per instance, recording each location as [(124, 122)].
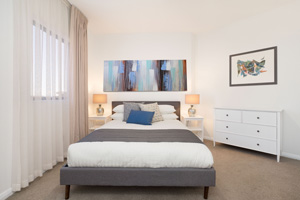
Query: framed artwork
[(145, 75), (257, 67)]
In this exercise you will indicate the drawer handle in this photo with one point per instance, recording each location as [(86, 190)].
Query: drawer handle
[(227, 138), (257, 117), (226, 126), (257, 144), (258, 131), (226, 115)]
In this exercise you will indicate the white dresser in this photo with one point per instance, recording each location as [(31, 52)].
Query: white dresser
[(258, 130)]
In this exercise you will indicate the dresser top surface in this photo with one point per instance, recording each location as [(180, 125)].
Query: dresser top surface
[(250, 109)]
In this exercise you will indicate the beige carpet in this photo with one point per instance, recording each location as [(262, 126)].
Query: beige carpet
[(241, 175)]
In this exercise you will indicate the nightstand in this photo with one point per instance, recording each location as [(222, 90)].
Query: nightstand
[(93, 118), (194, 124)]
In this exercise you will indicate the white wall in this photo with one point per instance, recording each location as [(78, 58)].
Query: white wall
[(6, 86), (208, 66), (278, 27), (138, 47)]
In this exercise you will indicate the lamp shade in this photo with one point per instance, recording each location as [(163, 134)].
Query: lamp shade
[(99, 98), (192, 98)]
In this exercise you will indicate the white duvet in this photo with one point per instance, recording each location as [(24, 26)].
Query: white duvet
[(140, 154)]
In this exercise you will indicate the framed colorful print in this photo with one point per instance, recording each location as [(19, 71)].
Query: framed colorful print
[(257, 67), (145, 75)]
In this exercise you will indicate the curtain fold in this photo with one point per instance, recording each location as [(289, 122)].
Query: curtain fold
[(40, 75), (78, 76)]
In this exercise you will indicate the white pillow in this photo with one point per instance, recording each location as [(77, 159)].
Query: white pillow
[(170, 116), (119, 109), (166, 109), (118, 116)]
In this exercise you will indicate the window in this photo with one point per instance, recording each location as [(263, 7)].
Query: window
[(50, 57)]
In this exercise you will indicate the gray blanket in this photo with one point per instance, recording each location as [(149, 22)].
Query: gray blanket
[(133, 135)]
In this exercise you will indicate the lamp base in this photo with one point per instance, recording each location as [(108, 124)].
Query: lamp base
[(192, 111), (100, 111)]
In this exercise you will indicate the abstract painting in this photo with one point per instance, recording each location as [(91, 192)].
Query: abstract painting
[(145, 75), (257, 67)]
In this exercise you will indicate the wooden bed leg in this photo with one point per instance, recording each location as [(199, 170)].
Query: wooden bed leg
[(67, 192), (206, 192)]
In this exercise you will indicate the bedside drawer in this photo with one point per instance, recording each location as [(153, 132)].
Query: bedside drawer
[(265, 132), (262, 118), (229, 115), (247, 142)]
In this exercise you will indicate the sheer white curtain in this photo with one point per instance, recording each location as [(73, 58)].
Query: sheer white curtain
[(41, 100)]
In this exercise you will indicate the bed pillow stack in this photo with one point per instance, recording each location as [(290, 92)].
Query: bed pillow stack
[(119, 113), (167, 112)]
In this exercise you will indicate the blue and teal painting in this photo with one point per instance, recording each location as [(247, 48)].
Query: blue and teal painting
[(252, 68), (145, 75)]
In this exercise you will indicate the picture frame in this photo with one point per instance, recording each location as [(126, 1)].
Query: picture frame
[(145, 75), (252, 68)]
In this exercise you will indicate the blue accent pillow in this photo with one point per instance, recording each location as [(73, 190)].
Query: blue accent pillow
[(140, 117)]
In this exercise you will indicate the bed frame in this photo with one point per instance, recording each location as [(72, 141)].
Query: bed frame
[(124, 176)]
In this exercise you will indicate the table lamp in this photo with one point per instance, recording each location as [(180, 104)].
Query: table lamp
[(192, 99), (99, 99)]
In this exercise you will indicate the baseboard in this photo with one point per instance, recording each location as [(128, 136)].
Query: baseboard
[(7, 193), (290, 155), (208, 138)]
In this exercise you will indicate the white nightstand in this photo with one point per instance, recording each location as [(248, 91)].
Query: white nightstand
[(105, 118), (197, 128)]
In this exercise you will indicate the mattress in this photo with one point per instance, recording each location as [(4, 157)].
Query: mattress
[(163, 144)]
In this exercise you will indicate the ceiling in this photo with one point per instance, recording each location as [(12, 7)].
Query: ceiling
[(194, 16)]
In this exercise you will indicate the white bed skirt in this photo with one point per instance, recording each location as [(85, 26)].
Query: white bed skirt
[(139, 154)]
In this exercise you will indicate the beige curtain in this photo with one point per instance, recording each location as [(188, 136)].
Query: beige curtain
[(78, 76)]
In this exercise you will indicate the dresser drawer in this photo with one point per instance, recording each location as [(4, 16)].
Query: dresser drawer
[(262, 118), (229, 115), (266, 146), (225, 138), (262, 145), (264, 132), (229, 127)]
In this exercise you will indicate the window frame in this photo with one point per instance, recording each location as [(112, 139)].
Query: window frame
[(59, 66)]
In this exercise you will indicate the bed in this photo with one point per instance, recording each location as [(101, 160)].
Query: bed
[(139, 176)]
